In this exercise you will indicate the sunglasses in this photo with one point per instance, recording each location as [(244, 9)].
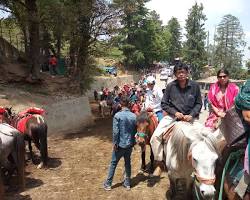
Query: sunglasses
[(222, 76)]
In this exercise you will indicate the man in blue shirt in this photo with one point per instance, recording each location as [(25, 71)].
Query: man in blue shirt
[(124, 129)]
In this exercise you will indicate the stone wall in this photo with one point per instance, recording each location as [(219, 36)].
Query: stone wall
[(110, 82), (64, 115), (68, 116)]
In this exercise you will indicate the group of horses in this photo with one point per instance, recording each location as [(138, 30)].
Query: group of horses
[(12, 145), (193, 157)]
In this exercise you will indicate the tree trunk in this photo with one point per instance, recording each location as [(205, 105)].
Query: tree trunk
[(83, 52), (34, 47)]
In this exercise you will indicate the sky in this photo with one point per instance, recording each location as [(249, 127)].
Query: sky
[(213, 9)]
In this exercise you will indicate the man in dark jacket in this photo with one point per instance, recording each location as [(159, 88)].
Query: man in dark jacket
[(181, 101), (124, 129)]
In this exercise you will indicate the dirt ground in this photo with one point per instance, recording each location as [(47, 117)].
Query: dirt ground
[(78, 166)]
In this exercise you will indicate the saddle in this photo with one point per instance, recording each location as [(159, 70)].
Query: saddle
[(19, 122)]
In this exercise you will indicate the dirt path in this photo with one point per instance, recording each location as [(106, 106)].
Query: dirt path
[(78, 166)]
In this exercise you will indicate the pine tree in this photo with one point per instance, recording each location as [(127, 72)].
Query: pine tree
[(194, 47), (174, 29), (229, 43)]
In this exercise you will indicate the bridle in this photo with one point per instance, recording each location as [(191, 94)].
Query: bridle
[(196, 175)]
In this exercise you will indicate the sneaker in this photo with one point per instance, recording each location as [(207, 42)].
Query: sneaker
[(127, 187), (106, 187)]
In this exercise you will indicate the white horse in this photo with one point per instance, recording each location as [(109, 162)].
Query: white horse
[(104, 108), (191, 151), (12, 146)]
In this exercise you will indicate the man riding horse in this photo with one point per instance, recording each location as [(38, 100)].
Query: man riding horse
[(181, 101)]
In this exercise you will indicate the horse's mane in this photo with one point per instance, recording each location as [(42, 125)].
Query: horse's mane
[(142, 117), (185, 136)]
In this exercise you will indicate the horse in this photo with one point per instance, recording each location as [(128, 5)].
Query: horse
[(146, 124), (1, 188), (105, 107), (12, 151), (35, 129), (191, 150), (233, 156)]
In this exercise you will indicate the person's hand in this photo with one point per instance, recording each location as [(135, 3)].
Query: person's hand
[(187, 118), (246, 115), (149, 110), (221, 114), (179, 115), (115, 147), (164, 113)]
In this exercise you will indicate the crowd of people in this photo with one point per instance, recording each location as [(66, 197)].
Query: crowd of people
[(181, 101)]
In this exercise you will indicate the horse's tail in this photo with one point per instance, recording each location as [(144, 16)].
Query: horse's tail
[(40, 131), (20, 158)]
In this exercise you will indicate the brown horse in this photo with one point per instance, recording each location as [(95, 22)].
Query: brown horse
[(1, 188), (235, 162), (146, 124), (35, 130)]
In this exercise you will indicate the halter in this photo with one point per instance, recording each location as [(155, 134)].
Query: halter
[(197, 176)]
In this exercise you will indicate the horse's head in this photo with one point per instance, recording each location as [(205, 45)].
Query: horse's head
[(7, 115), (142, 122), (204, 156)]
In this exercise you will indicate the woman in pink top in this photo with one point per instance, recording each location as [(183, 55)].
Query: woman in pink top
[(221, 98)]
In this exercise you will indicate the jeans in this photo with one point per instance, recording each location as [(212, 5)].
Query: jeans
[(116, 156), (159, 115)]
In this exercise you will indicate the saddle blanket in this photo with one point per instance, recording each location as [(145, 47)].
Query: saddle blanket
[(21, 124)]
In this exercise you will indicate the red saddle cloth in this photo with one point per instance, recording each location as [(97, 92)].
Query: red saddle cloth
[(32, 110), (2, 110), (25, 115), (21, 124)]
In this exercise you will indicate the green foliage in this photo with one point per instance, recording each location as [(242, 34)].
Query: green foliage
[(230, 42), (194, 48), (174, 45), (141, 39)]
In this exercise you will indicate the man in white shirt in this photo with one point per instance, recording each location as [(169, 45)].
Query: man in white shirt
[(153, 98)]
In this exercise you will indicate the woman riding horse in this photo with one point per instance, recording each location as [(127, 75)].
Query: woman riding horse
[(239, 188), (221, 98)]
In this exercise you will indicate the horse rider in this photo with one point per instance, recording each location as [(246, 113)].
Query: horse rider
[(181, 101), (153, 98)]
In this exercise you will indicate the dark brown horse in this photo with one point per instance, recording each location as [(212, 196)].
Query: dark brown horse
[(232, 161), (1, 188), (146, 124), (35, 130)]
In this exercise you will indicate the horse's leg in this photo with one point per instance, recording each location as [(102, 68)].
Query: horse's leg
[(30, 149), (143, 155), (1, 188), (229, 191), (151, 160), (43, 145), (247, 196)]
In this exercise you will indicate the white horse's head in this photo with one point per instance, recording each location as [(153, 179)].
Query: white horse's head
[(204, 153), (204, 161), (196, 145)]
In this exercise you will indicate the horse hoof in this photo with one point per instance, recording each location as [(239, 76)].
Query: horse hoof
[(40, 166)]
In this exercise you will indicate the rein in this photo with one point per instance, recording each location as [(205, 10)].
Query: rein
[(199, 178)]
